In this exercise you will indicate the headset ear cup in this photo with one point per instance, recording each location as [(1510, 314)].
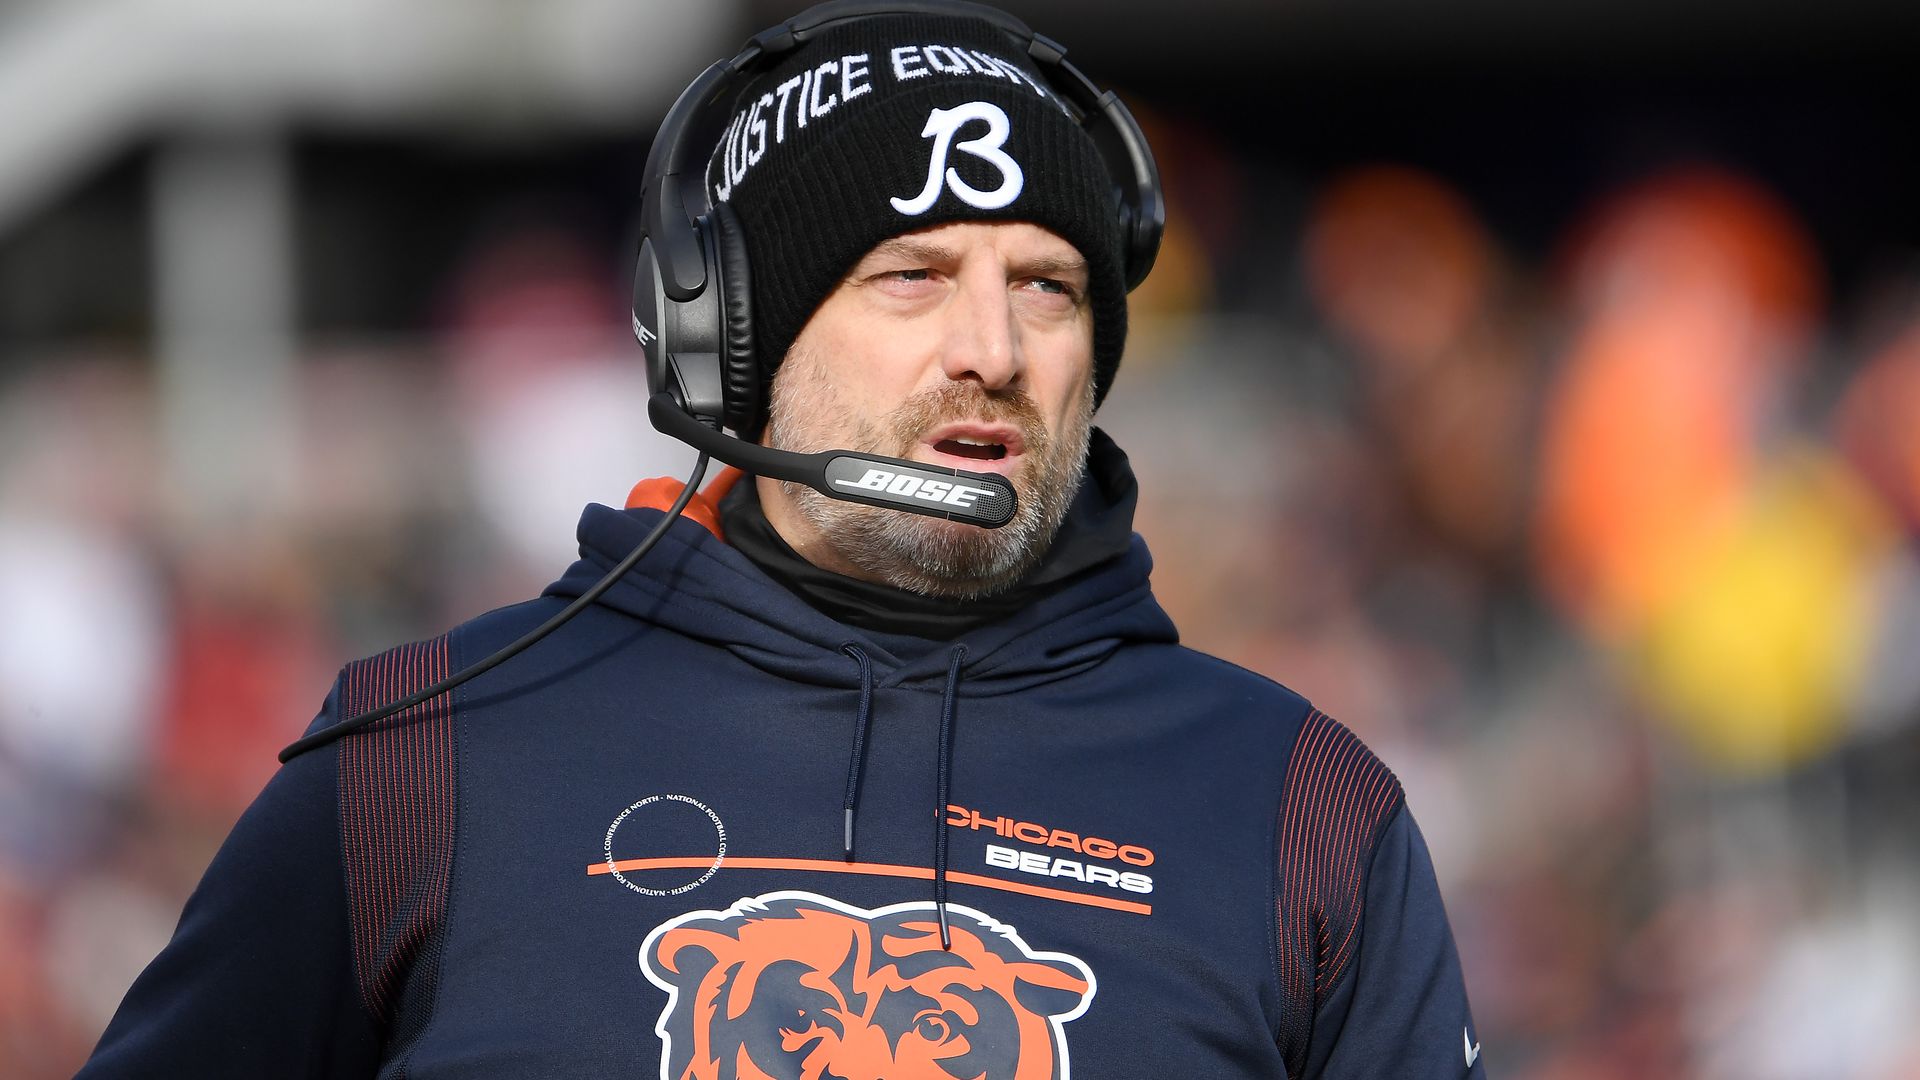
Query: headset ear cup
[(1130, 246), (739, 367)]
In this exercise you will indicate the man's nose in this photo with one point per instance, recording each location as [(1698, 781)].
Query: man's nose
[(982, 335)]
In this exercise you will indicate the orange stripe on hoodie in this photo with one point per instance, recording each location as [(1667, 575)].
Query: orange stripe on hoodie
[(704, 508)]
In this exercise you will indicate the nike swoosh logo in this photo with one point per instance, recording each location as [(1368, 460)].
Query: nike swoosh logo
[(1473, 1048)]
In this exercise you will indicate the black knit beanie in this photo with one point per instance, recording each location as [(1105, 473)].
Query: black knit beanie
[(896, 123)]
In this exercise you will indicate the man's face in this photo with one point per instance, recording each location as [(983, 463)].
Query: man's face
[(968, 345)]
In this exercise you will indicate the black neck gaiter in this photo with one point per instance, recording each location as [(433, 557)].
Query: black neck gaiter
[(1098, 527)]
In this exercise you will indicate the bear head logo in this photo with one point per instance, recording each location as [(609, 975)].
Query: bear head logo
[(794, 986)]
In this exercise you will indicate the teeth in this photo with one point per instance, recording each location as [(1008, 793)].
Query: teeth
[(969, 441)]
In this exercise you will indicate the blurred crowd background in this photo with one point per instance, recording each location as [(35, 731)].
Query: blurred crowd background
[(1537, 388)]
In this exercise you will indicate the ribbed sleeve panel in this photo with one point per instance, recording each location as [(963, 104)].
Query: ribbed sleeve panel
[(1338, 799), (396, 817)]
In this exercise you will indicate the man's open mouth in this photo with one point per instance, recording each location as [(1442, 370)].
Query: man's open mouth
[(978, 449), (981, 446)]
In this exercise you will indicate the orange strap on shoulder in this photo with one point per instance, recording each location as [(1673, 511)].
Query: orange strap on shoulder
[(704, 508)]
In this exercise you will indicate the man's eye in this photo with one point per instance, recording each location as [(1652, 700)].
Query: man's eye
[(920, 274), (1051, 285)]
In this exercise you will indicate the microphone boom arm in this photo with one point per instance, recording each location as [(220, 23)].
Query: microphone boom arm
[(982, 499)]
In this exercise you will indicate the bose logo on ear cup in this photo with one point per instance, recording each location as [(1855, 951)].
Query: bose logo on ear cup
[(942, 125)]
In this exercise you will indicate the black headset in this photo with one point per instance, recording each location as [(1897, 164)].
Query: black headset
[(692, 295)]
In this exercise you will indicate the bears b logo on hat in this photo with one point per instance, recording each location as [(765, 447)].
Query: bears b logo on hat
[(942, 126)]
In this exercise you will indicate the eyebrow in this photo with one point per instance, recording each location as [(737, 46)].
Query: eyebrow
[(1056, 267), (920, 251), (913, 251)]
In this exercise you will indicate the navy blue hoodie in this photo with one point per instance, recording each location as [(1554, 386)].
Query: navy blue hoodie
[(706, 831)]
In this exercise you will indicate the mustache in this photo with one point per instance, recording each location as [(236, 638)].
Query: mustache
[(965, 401)]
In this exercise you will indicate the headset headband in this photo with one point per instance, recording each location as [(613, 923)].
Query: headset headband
[(694, 124)]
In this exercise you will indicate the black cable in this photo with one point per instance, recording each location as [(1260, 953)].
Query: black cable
[(349, 726)]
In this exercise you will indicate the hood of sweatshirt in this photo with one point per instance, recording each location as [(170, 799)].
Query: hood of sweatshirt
[(695, 584)]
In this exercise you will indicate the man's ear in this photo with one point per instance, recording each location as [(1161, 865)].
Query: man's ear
[(686, 953), (1048, 989)]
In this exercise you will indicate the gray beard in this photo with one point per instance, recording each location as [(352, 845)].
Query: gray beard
[(925, 555)]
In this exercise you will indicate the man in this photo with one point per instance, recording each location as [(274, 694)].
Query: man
[(851, 792)]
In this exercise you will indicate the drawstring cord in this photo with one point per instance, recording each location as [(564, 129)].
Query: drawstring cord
[(859, 739), (942, 784)]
